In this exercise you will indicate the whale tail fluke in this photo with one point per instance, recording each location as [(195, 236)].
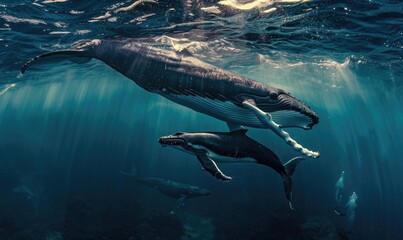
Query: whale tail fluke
[(77, 56), (290, 167), (287, 182)]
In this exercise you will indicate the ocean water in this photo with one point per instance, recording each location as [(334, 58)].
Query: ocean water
[(67, 130)]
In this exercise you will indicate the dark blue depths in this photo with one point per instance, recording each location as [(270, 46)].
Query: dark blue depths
[(68, 130)]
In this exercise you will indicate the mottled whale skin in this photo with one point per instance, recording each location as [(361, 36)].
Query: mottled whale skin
[(170, 188), (231, 147), (186, 80)]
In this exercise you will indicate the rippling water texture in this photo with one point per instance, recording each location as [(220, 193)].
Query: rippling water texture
[(66, 131)]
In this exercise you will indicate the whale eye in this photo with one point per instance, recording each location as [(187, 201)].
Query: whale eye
[(273, 95)]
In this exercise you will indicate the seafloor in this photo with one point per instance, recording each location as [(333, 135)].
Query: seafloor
[(117, 219)]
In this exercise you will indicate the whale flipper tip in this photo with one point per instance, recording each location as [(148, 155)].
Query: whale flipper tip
[(210, 166), (224, 178)]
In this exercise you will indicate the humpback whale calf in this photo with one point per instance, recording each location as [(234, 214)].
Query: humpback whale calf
[(231, 147), (179, 191), (186, 80)]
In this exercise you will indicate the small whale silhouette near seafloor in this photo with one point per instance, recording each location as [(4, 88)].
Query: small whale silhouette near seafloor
[(186, 80), (169, 188)]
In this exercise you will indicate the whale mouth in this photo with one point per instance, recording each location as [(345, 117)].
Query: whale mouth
[(288, 111), (171, 140)]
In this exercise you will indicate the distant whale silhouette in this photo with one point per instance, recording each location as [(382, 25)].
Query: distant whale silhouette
[(184, 79), (231, 147), (24, 191), (180, 191), (339, 194), (351, 205)]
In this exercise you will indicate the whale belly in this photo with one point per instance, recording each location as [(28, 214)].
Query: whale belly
[(223, 110), (224, 159), (229, 112)]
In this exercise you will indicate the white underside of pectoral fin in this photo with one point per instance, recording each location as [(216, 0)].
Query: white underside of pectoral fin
[(210, 166), (267, 121)]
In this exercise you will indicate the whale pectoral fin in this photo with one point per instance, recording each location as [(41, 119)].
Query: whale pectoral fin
[(266, 119), (234, 127), (210, 166)]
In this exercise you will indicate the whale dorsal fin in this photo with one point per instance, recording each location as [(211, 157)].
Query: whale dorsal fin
[(185, 52), (239, 132), (180, 49)]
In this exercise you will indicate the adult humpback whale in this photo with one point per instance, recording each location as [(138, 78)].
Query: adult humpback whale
[(179, 191), (231, 147), (184, 79)]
